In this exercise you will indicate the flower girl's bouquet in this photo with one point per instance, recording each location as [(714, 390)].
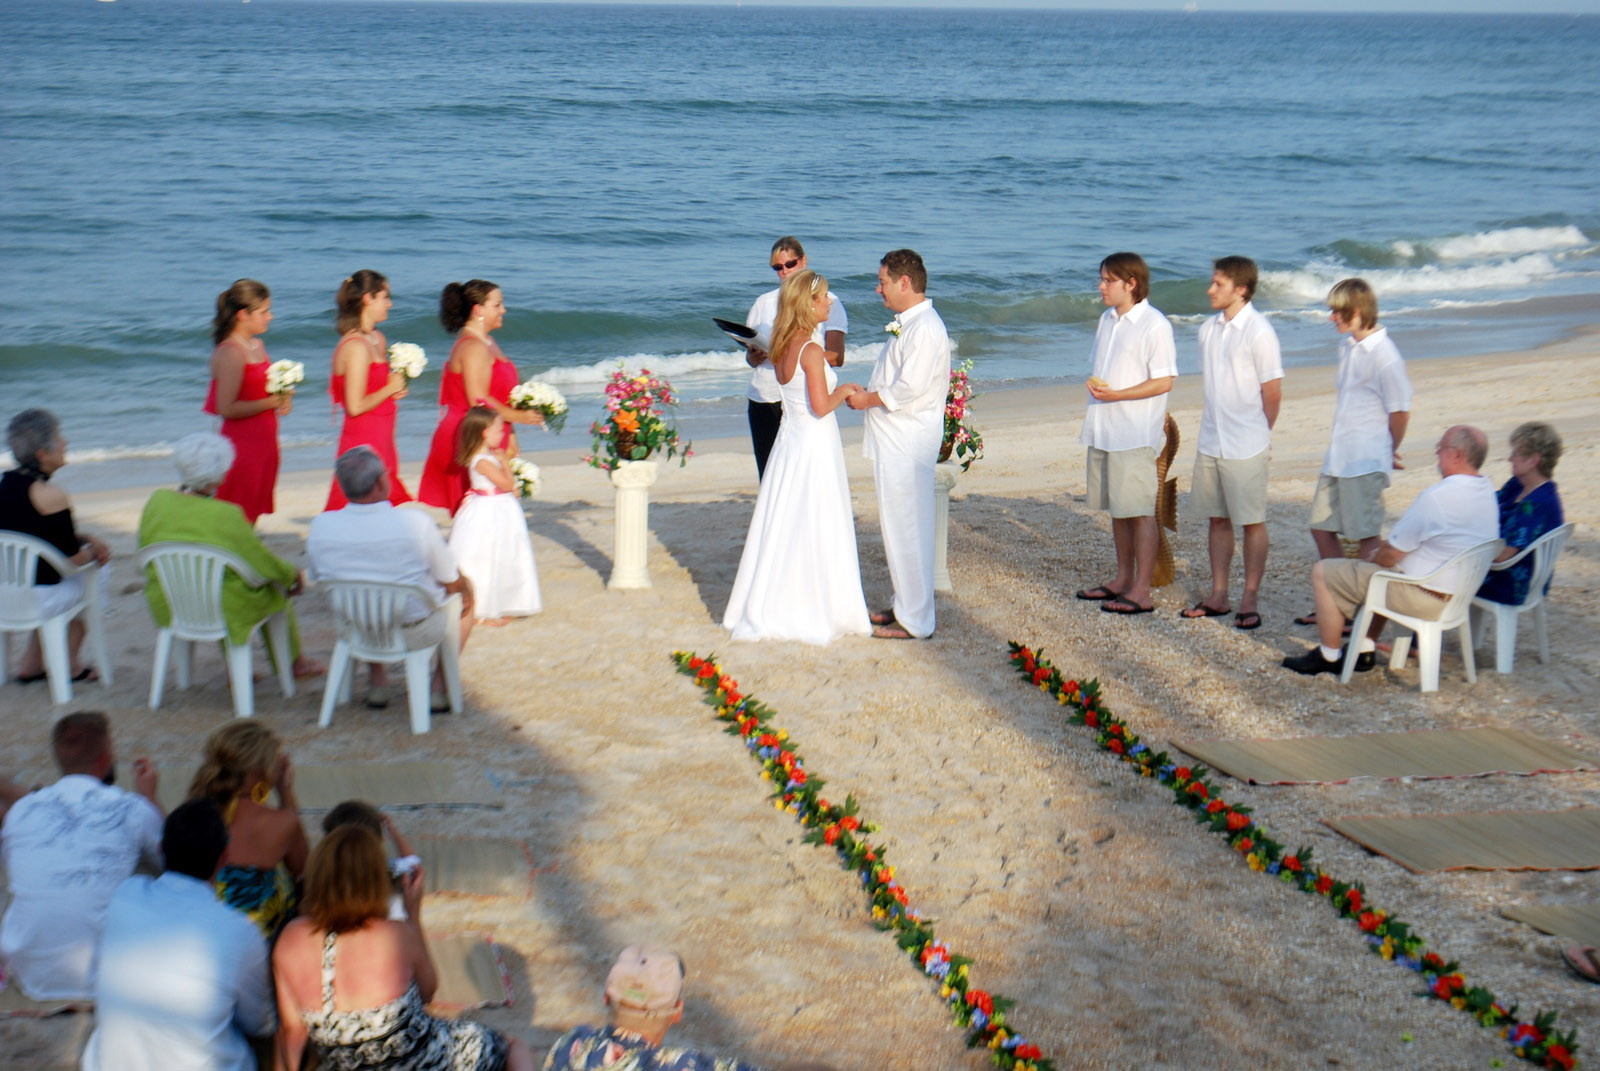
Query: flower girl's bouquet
[(526, 473), (407, 357), (543, 397), (282, 376)]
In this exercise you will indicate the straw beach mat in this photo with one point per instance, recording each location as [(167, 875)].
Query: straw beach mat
[(1496, 840), (1426, 754), (472, 973), (397, 785), (1578, 922), (1166, 570), (475, 866)]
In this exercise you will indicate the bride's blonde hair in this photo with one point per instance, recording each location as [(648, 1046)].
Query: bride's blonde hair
[(795, 319)]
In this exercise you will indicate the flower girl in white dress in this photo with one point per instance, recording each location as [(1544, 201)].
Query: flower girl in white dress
[(490, 534), (799, 578)]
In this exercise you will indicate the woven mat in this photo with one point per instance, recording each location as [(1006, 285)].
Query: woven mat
[(1427, 754), (1577, 922), (475, 866), (396, 785), (1501, 840), (472, 973)]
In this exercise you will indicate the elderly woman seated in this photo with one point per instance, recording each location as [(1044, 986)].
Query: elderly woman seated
[(32, 505), (191, 515), (1529, 507)]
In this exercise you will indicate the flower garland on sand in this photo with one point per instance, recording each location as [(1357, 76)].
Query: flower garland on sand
[(636, 423), (1535, 1041), (839, 826), (958, 429)]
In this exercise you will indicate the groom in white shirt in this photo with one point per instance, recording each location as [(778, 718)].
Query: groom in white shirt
[(904, 404)]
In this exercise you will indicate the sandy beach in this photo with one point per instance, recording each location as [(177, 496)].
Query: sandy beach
[(1127, 935)]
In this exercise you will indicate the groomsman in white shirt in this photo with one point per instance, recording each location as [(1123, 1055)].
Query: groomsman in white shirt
[(1370, 416), (904, 403), (1135, 362), (1243, 375)]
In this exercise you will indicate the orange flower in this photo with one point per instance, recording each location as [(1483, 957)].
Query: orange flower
[(626, 420)]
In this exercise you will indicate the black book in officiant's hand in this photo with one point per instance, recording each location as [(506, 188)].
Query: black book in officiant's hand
[(745, 336)]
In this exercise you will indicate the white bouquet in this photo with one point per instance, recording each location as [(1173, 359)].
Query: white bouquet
[(283, 375), (407, 357), (526, 473), (546, 399)]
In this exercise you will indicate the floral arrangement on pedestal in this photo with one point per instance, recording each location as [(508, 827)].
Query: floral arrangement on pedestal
[(960, 437), (638, 422), (541, 396), (1534, 1040), (983, 1016)]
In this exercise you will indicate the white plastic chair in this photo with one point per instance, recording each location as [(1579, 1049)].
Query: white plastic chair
[(19, 561), (190, 575), (1473, 566), (370, 618), (1545, 550)]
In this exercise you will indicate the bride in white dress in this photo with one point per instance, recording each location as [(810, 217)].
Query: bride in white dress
[(799, 577)]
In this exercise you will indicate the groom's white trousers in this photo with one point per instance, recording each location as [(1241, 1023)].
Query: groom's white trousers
[(905, 514)]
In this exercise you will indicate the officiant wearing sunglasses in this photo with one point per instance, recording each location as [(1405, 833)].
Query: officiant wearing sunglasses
[(765, 406)]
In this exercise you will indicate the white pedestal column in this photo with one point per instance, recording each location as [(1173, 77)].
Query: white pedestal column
[(944, 479), (629, 563)]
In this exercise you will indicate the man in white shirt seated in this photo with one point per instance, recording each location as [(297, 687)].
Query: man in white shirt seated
[(1455, 514), (184, 980), (372, 540), (67, 848)]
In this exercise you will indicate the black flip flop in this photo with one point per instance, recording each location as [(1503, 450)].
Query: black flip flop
[(1247, 620), (882, 617), (894, 631), (1120, 605), (1099, 594), (1205, 611)]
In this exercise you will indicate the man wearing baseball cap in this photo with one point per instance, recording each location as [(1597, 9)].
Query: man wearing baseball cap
[(644, 995)]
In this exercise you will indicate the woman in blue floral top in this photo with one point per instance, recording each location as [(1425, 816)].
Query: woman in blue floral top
[(1529, 507)]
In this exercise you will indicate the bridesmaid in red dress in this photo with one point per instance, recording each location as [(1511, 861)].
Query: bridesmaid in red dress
[(362, 383), (239, 396), (476, 374)]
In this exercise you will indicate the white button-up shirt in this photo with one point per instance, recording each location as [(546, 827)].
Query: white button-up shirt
[(1236, 357), (376, 541), (763, 314), (1128, 350), (1372, 384), (184, 980), (1453, 515), (67, 848)]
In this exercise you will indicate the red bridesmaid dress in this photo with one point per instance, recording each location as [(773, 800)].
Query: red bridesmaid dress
[(254, 476), (374, 428), (444, 483)]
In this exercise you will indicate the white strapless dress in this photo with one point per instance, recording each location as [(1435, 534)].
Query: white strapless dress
[(799, 577)]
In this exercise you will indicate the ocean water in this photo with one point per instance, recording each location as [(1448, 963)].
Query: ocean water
[(622, 171)]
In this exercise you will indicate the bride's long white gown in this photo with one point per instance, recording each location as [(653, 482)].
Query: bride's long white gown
[(799, 577)]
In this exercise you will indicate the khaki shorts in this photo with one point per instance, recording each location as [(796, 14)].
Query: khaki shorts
[(1123, 481), (1347, 581), (1226, 487), (1349, 505)]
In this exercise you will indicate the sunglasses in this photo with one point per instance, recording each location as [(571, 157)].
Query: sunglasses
[(785, 265)]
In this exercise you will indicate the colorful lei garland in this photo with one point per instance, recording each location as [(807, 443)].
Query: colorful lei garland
[(1536, 1041), (982, 1015)]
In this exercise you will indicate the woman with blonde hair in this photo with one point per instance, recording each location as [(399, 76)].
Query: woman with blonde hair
[(799, 577), (243, 764), (354, 982), (363, 385), (239, 396)]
